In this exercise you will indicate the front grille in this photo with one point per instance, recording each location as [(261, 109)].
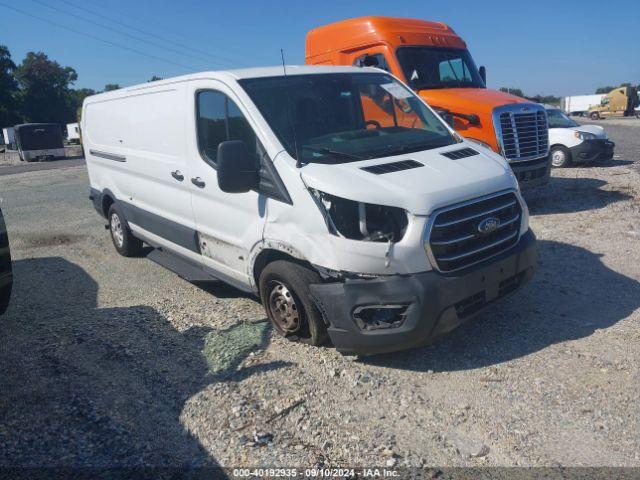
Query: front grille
[(455, 240), (524, 134)]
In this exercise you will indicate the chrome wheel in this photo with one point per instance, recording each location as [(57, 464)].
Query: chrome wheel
[(116, 230), (558, 158), (283, 309)]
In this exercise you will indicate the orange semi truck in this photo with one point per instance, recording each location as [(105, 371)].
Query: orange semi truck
[(435, 62)]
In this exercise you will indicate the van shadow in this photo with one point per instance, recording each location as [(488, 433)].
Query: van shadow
[(566, 195), (572, 294), (105, 387)]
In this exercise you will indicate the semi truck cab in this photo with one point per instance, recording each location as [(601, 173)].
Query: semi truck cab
[(435, 62), (619, 102)]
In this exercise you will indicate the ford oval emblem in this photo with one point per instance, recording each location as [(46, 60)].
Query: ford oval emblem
[(488, 225)]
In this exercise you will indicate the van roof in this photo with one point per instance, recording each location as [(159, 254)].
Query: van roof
[(372, 30), (237, 74)]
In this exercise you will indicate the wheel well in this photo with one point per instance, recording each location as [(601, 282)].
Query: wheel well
[(107, 201), (268, 255)]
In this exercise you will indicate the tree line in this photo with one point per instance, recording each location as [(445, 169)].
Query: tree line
[(552, 99), (40, 90)]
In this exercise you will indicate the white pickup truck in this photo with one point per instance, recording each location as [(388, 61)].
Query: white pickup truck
[(571, 142)]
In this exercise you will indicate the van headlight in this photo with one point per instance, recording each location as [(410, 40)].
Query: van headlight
[(584, 135), (361, 221)]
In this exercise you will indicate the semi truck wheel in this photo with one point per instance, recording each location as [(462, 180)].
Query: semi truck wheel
[(284, 291), (560, 157), (123, 240)]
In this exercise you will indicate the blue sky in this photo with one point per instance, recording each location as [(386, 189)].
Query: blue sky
[(549, 47)]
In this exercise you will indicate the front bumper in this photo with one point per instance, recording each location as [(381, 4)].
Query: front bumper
[(532, 173), (592, 150), (436, 303)]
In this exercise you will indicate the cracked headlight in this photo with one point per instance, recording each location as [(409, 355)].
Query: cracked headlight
[(361, 221)]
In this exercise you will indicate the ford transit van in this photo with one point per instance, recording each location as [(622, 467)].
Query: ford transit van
[(336, 194)]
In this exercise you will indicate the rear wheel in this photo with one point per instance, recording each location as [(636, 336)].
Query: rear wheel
[(123, 240), (594, 115), (284, 290), (560, 157)]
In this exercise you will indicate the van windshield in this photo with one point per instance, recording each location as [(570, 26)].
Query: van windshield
[(436, 67), (558, 119), (345, 117)]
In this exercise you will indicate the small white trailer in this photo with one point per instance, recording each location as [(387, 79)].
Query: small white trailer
[(580, 104), (9, 137), (73, 133)]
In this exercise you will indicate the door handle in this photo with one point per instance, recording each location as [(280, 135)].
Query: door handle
[(198, 182), (177, 175)]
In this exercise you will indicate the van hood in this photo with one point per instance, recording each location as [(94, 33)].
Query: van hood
[(597, 130), (439, 182), (469, 100)]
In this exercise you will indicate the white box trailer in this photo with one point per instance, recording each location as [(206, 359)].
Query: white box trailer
[(580, 104), (73, 133), (9, 137)]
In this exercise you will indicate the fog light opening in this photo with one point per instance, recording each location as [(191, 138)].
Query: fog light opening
[(375, 317)]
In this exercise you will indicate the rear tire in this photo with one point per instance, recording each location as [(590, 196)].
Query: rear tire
[(560, 157), (123, 240), (594, 116), (285, 294)]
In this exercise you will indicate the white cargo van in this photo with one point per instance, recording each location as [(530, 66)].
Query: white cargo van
[(335, 193), (572, 143)]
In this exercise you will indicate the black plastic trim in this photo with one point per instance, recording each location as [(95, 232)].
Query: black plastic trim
[(436, 303), (169, 230)]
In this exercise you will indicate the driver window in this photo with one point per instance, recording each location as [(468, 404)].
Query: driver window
[(219, 119), (376, 60), (453, 70)]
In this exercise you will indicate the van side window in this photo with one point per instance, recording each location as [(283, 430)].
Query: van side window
[(219, 119), (368, 60)]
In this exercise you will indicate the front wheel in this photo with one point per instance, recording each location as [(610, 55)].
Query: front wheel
[(560, 157), (284, 291), (594, 116)]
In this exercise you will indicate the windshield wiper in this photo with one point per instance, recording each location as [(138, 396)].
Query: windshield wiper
[(334, 153)]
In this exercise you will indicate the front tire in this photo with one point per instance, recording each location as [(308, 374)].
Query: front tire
[(123, 240), (560, 157), (594, 116), (285, 294)]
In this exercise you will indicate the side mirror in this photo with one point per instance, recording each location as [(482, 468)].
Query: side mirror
[(237, 169), (483, 74)]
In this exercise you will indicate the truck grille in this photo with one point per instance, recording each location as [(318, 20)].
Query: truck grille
[(456, 241), (523, 133)]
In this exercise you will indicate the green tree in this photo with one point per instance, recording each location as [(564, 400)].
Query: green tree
[(513, 91), (155, 78), (8, 90), (600, 90), (45, 94), (78, 97), (111, 86)]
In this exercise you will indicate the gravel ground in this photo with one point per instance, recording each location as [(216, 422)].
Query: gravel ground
[(107, 361)]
